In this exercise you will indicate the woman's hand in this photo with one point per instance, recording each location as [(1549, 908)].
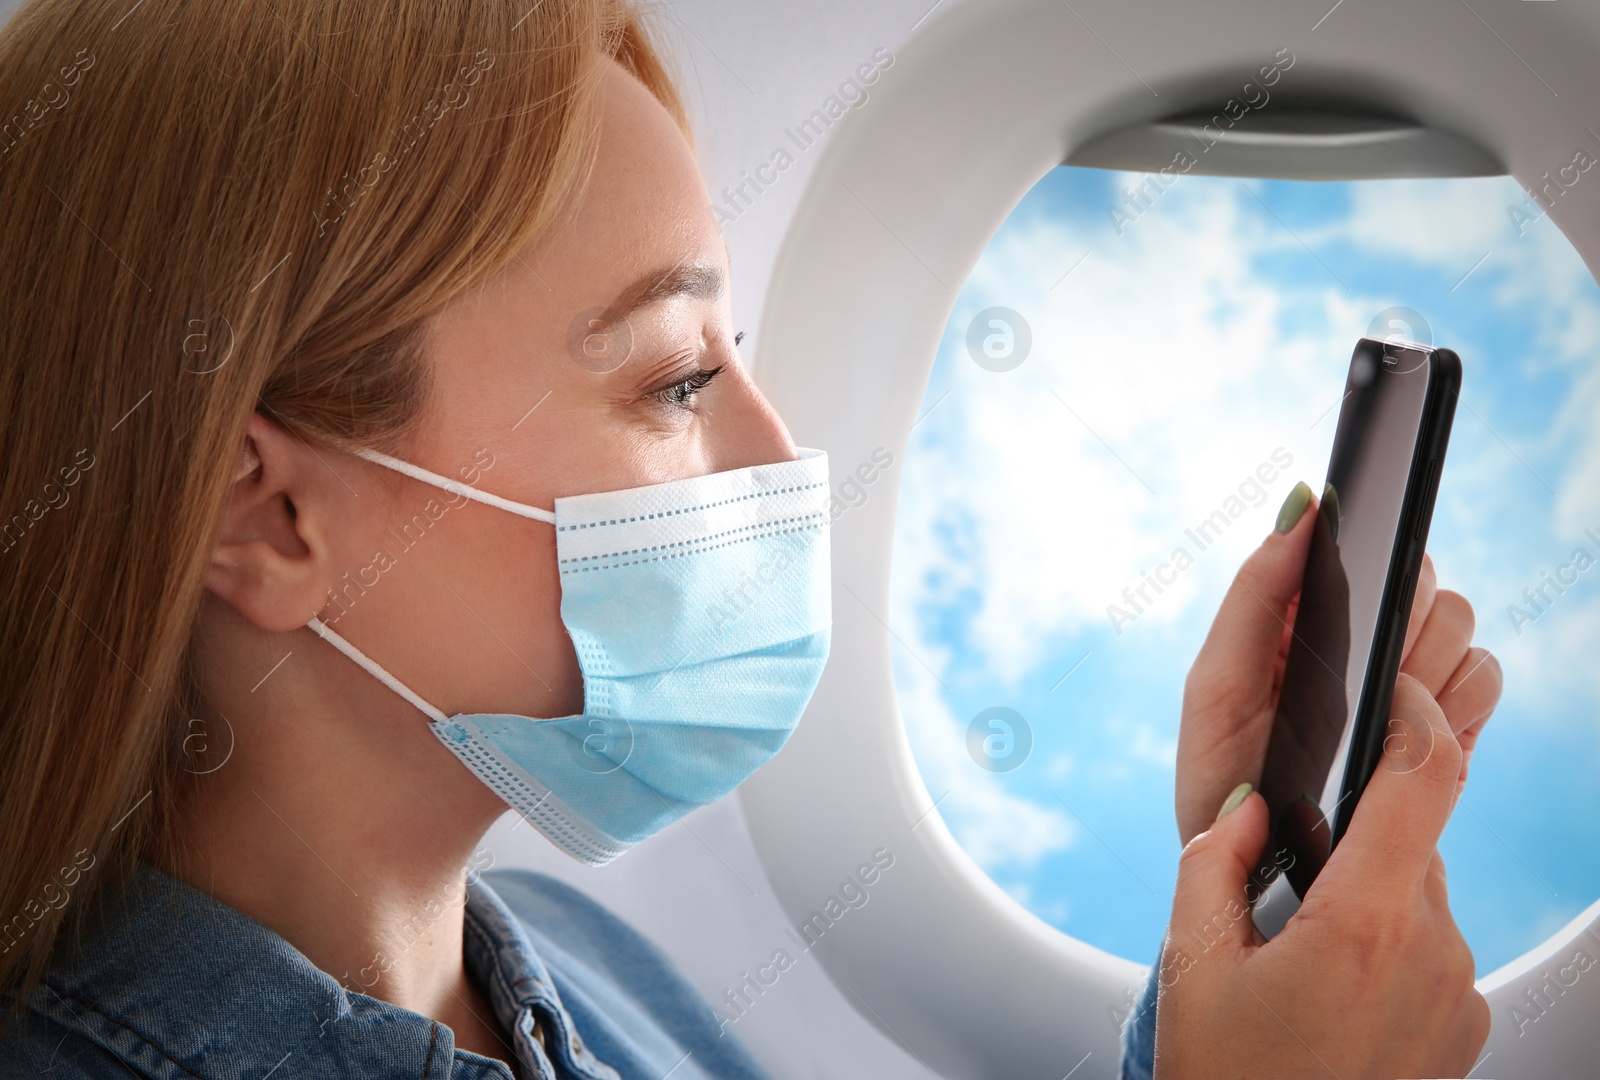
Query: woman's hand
[(1231, 693), (1370, 978)]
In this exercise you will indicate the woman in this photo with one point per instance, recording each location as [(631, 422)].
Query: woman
[(314, 313)]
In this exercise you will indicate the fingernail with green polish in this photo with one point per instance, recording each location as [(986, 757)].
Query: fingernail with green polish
[(1235, 797), (1294, 505)]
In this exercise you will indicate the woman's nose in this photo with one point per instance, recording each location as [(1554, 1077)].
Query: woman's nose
[(745, 429)]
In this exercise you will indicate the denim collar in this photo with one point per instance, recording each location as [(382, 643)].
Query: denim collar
[(180, 985)]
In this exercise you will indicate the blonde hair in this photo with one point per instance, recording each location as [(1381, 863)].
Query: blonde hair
[(211, 210)]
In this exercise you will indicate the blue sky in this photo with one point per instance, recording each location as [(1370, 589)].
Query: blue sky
[(1167, 363)]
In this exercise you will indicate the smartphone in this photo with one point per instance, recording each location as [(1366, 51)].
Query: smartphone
[(1361, 571)]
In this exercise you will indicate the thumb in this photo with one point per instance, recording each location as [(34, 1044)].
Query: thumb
[(1397, 823), (1210, 906)]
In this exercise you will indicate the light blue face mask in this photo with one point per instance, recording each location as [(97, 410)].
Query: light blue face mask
[(699, 609)]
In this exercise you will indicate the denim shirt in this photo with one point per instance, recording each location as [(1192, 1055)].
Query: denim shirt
[(1139, 1032), (180, 985)]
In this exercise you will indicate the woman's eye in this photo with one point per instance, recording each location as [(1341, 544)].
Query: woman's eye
[(681, 394)]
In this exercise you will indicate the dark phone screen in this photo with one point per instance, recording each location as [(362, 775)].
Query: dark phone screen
[(1352, 546)]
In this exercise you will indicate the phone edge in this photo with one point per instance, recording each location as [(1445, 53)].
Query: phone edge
[(1444, 389)]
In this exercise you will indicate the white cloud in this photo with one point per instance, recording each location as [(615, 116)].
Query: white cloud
[(1000, 830), (1145, 404), (1402, 218)]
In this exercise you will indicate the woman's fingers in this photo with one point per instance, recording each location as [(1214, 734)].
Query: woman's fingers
[(1421, 604), (1471, 692), (1442, 642), (1465, 680), (1469, 698)]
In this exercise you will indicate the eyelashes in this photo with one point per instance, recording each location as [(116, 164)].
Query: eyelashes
[(681, 395)]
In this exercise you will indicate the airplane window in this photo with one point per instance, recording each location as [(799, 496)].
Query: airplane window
[(1135, 374)]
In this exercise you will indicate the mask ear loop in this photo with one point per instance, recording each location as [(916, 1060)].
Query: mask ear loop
[(373, 668), (417, 472)]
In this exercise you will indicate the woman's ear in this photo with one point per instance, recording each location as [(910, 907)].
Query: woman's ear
[(272, 562)]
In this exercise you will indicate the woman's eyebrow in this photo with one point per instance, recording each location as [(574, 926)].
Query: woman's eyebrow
[(698, 280)]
